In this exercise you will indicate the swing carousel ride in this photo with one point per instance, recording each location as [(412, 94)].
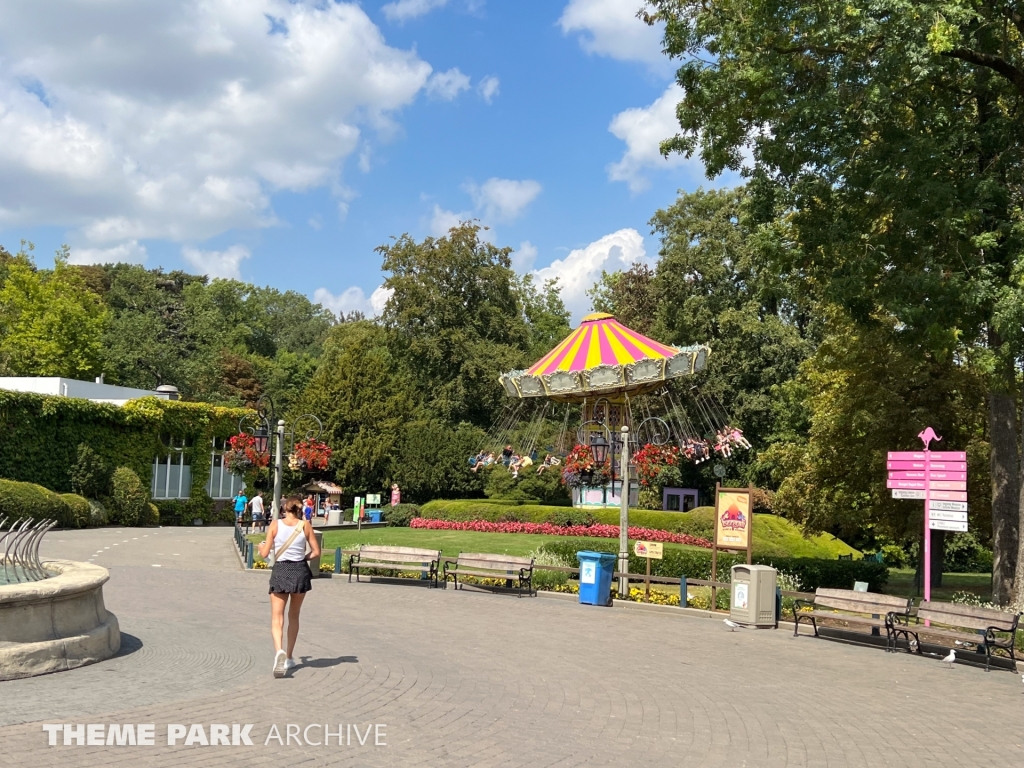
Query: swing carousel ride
[(604, 376)]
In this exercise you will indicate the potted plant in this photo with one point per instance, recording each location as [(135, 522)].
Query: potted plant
[(309, 456)]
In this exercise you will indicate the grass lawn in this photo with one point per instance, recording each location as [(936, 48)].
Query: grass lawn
[(451, 543), (901, 582)]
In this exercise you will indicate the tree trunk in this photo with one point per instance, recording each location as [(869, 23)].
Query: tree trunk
[(1018, 581), (1006, 487)]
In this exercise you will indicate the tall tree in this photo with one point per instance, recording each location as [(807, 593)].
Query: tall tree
[(630, 295), (893, 129), (50, 323)]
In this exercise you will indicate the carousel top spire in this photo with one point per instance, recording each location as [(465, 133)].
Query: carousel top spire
[(603, 356)]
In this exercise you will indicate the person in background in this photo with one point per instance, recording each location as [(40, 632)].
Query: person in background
[(258, 513), (396, 495), (240, 503), (506, 455), (307, 507)]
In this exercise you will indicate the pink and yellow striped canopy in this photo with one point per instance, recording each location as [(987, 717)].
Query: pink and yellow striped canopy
[(600, 340)]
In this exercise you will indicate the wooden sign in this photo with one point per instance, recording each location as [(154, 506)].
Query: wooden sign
[(654, 550)]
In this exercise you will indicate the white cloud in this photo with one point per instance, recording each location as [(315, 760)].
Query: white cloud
[(125, 253), (488, 88), (403, 10), (643, 129), (133, 119), (225, 264), (504, 199), (578, 271), (611, 28), (354, 299), (446, 86), (524, 256)]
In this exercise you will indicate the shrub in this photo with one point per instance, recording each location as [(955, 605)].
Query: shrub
[(150, 515), (184, 511), (963, 553), (696, 564), (90, 475), (20, 500), (398, 516), (549, 580), (128, 497), (97, 514), (79, 515), (567, 517), (543, 488)]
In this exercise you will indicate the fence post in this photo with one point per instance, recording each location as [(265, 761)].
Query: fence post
[(337, 559), (778, 605), (249, 555), (683, 596)]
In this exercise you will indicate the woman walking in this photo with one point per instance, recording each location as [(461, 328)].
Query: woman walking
[(290, 579)]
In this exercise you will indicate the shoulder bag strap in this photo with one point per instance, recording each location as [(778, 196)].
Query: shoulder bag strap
[(298, 529)]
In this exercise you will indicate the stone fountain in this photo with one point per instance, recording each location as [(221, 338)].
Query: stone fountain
[(52, 616)]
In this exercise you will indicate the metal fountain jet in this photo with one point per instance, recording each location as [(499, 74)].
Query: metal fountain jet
[(20, 543)]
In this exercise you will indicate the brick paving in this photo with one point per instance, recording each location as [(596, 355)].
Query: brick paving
[(469, 679)]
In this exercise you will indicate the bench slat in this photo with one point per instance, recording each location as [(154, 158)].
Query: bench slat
[(859, 606), (368, 550), (461, 565), (893, 601), (487, 574), (879, 622), (503, 559), (395, 566), (957, 615)]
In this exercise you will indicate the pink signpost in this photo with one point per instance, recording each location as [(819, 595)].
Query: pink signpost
[(940, 479)]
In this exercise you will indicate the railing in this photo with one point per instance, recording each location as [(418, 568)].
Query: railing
[(246, 549), (21, 549)]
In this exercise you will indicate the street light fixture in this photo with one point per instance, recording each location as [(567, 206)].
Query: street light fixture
[(600, 448), (262, 438)]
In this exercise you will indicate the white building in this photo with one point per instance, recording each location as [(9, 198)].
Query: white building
[(172, 472)]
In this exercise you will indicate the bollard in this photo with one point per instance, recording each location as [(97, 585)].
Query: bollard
[(337, 560), (249, 555), (683, 596), (778, 605)]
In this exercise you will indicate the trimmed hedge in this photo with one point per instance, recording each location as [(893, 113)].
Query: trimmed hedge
[(150, 516), (400, 515), (19, 500), (696, 564), (773, 536), (80, 513)]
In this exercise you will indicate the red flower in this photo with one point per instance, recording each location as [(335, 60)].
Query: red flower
[(596, 531), (651, 459), (242, 455)]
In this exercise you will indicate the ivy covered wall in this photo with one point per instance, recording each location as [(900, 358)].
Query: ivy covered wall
[(40, 435)]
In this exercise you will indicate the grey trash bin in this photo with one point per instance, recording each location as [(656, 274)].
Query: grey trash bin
[(314, 564), (753, 595)]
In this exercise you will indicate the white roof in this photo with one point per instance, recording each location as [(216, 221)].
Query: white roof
[(58, 386)]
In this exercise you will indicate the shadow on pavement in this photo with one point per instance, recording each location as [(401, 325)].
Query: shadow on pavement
[(309, 661), (129, 645)]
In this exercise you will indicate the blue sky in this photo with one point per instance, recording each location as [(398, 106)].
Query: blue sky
[(281, 142)]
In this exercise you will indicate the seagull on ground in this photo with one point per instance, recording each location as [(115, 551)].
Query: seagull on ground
[(732, 625), (950, 659)]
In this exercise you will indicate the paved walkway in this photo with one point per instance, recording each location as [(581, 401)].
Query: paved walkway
[(467, 679)]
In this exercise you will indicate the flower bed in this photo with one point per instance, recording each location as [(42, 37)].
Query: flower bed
[(597, 531)]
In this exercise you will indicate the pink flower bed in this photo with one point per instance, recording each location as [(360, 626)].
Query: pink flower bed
[(597, 531)]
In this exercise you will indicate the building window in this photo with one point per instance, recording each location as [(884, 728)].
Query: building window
[(223, 484), (172, 476)]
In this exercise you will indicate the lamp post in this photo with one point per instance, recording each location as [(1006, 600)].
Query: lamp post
[(624, 517), (264, 440)]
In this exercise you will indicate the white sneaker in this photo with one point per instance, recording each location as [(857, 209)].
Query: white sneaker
[(279, 663), (290, 664)]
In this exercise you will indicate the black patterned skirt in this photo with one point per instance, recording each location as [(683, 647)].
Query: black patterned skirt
[(291, 576)]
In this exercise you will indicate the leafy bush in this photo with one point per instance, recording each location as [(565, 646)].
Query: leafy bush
[(78, 510), (543, 488), (399, 515), (696, 564), (150, 515), (572, 516), (97, 514), (128, 497), (549, 580), (965, 554), (184, 511), (90, 475), (20, 500)]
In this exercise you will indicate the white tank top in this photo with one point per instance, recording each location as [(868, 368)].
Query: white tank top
[(296, 551)]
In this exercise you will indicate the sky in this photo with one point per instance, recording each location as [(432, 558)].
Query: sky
[(281, 141)]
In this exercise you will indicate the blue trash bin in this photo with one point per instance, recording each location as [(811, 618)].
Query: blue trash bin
[(374, 515), (596, 569)]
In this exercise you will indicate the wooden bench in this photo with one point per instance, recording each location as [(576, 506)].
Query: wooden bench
[(507, 567), (868, 609), (425, 561), (954, 618)]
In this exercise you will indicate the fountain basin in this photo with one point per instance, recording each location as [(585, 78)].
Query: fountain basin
[(57, 623)]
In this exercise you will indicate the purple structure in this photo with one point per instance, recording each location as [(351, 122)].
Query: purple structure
[(679, 499)]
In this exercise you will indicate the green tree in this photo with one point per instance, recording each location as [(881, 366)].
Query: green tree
[(50, 323), (632, 296), (892, 130)]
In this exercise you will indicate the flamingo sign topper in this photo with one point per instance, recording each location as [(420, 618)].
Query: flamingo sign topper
[(939, 478)]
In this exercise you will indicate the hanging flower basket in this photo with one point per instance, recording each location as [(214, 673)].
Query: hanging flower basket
[(580, 469), (309, 456), (652, 460), (242, 456)]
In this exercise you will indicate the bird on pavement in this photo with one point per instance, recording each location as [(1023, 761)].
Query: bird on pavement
[(950, 659), (732, 625)]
